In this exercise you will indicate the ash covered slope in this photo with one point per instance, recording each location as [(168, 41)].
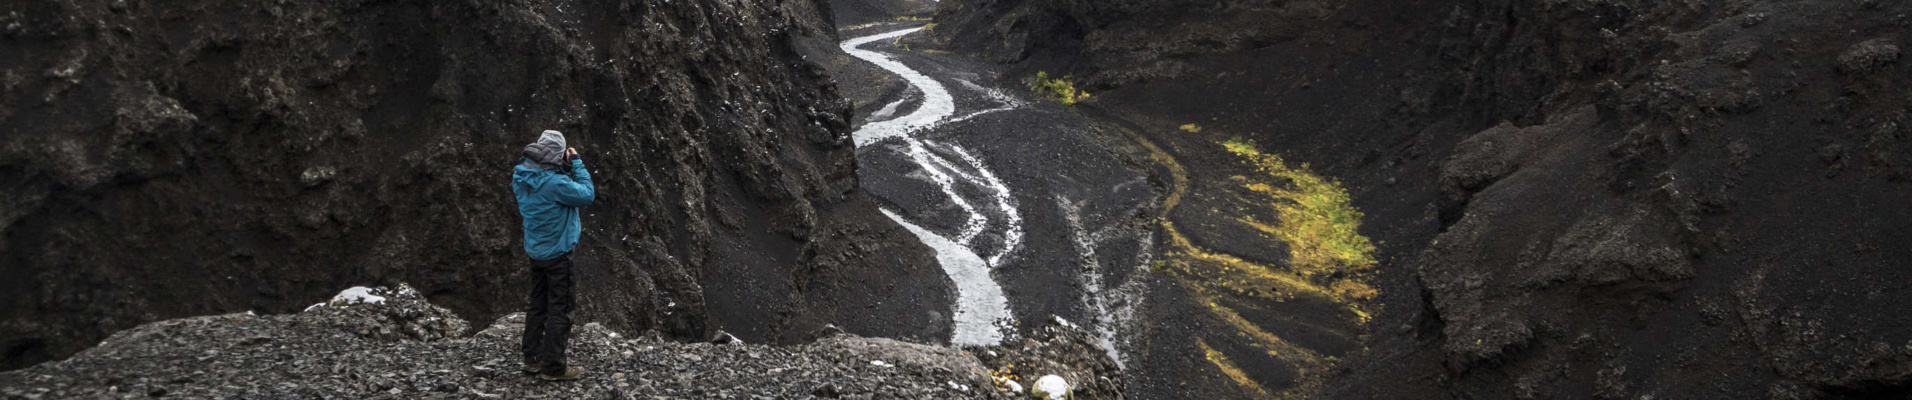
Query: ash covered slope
[(202, 157), (1617, 199), (406, 348)]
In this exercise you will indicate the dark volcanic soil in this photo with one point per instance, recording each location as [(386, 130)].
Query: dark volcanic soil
[(166, 159), (1618, 199)]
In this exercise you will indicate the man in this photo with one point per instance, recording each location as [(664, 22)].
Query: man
[(551, 185)]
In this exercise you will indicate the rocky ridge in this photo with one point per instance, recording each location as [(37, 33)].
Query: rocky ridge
[(400, 347)]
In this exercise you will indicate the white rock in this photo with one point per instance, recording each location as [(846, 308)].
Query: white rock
[(1051, 387), (358, 294)]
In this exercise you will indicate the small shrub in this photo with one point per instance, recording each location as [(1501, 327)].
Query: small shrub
[(1059, 89)]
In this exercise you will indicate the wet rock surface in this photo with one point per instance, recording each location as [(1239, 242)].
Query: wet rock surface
[(168, 159), (335, 352), (1617, 199)]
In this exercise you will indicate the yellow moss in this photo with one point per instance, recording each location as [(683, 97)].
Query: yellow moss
[(1059, 89), (1176, 173), (1192, 128), (1318, 221), (1354, 290), (1302, 358), (1233, 271), (1228, 367)]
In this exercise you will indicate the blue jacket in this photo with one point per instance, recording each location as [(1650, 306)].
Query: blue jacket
[(549, 201)]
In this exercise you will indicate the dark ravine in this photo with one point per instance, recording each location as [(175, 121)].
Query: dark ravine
[(1616, 199), (171, 159)]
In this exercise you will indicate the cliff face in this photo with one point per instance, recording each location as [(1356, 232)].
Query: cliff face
[(200, 157), (1612, 199)]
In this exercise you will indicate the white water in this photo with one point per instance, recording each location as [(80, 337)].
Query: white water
[(1004, 102), (937, 104), (1012, 224), (888, 110), (980, 305), (919, 153), (1113, 310), (981, 311)]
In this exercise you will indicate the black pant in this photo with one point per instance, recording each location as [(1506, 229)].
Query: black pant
[(547, 322)]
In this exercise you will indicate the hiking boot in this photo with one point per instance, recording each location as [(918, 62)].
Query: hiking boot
[(529, 369), (570, 374)]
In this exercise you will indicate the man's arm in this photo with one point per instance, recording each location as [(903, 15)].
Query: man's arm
[(578, 191)]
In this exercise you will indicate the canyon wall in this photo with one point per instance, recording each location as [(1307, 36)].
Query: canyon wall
[(168, 159)]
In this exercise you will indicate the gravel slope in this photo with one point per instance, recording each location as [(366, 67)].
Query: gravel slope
[(405, 348)]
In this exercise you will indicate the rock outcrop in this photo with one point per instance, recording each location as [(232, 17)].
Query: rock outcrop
[(167, 159)]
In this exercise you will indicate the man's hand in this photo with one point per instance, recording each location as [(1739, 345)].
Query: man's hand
[(571, 153)]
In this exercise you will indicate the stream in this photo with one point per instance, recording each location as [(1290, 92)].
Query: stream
[(1029, 217)]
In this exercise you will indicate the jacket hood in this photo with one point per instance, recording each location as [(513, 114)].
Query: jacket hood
[(531, 173), (548, 151)]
